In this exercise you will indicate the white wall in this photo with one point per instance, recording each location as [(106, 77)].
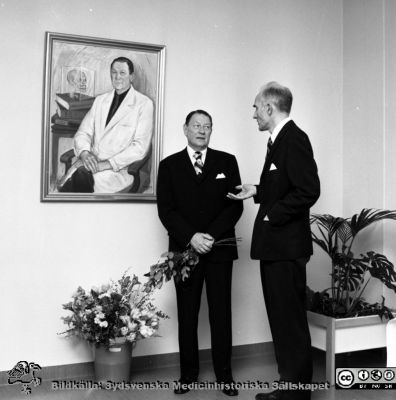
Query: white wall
[(389, 132), (369, 123), (218, 55), (363, 128), (363, 105)]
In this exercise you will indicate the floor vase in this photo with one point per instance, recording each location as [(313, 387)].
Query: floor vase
[(113, 364)]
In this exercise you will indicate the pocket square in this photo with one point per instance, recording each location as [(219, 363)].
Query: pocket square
[(220, 176), (273, 167)]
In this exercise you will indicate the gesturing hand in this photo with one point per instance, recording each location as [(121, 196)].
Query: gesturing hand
[(246, 191), (89, 160), (202, 242)]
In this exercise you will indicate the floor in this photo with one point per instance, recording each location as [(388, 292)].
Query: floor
[(247, 370)]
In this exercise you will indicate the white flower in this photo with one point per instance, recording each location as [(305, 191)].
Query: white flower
[(147, 314), (124, 331), (125, 319), (132, 326), (154, 322), (146, 331), (116, 287), (135, 313), (98, 319), (104, 324), (105, 287), (131, 337)]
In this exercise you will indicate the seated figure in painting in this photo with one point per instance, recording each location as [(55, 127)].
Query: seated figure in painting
[(115, 133)]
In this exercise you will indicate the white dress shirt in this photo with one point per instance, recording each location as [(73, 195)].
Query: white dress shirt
[(191, 153), (278, 128)]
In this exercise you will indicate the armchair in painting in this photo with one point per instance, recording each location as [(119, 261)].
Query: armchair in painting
[(137, 169)]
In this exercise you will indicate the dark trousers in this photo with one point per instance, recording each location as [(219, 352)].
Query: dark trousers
[(217, 277), (81, 181), (284, 287)]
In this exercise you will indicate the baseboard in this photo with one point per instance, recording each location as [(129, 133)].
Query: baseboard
[(85, 370)]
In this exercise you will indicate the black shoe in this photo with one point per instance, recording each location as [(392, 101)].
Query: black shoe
[(229, 388), (275, 395), (181, 390), (230, 391), (182, 387)]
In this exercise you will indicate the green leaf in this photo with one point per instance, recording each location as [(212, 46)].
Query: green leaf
[(367, 217), (381, 268), (158, 275)]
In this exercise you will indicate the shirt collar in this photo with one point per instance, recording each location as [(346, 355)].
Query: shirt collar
[(122, 95), (278, 128), (191, 152)]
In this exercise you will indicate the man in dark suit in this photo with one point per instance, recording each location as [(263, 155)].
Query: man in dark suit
[(289, 186), (194, 208)]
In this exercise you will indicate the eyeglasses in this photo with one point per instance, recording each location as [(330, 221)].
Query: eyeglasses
[(206, 128)]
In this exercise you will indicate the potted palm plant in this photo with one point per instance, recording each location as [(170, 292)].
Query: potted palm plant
[(340, 319), (350, 273)]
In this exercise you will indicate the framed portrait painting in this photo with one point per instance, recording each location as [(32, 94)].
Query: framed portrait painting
[(102, 119)]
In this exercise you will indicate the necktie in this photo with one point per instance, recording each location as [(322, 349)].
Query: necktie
[(269, 145), (198, 165)]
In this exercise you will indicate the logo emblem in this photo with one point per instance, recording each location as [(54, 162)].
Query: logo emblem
[(345, 378), (25, 373), (389, 375), (363, 375), (376, 374)]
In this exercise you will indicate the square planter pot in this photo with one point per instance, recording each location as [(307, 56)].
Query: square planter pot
[(341, 335)]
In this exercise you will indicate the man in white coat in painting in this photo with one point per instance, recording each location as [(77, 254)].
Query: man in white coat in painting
[(116, 132)]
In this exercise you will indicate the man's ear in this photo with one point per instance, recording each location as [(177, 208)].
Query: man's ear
[(131, 77), (269, 109), (185, 129)]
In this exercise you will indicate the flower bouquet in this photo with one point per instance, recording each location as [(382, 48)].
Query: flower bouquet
[(114, 313), (178, 265), (171, 265)]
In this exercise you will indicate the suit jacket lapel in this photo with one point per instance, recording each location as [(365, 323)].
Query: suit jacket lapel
[(210, 161), (275, 145), (123, 109), (105, 108), (187, 165)]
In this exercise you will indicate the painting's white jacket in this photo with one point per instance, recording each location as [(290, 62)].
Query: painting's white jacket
[(125, 139)]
